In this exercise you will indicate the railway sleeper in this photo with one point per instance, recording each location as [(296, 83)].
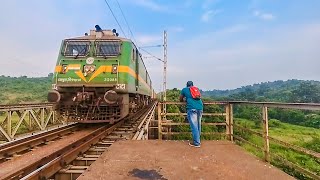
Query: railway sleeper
[(121, 132), (83, 161), (100, 147), (107, 141), (103, 144), (124, 129), (118, 137), (127, 126), (95, 151), (71, 172)]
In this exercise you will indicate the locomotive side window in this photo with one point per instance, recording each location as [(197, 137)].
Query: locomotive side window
[(107, 48), (76, 48), (133, 55)]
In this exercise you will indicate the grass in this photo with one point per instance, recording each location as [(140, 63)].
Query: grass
[(301, 136)]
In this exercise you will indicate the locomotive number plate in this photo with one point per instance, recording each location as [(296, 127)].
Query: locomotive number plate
[(121, 86), (110, 79)]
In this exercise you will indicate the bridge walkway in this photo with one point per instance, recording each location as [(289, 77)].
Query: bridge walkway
[(154, 159)]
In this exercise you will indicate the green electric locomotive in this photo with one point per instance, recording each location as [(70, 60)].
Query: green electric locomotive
[(100, 77)]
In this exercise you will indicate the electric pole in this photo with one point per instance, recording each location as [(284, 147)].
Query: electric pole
[(164, 73)]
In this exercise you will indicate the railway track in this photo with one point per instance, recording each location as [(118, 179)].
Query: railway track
[(71, 160), (21, 146), (21, 106)]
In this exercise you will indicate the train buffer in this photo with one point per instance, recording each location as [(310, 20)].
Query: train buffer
[(156, 159)]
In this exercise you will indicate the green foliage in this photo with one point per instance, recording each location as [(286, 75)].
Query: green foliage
[(297, 135), (278, 91), (23, 89), (298, 91)]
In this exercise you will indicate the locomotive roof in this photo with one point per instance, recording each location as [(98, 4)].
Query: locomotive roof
[(102, 35), (92, 37)]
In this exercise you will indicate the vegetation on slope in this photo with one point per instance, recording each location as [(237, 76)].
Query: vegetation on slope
[(278, 91), (23, 89)]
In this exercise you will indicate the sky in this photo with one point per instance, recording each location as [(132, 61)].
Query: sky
[(218, 44)]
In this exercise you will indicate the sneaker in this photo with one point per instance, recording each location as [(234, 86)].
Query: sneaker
[(193, 145)]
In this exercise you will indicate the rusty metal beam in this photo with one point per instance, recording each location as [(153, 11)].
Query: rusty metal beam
[(203, 133), (185, 124), (248, 142), (205, 103), (203, 114), (303, 106), (159, 122), (266, 133)]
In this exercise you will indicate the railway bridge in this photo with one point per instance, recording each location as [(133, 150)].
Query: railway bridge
[(37, 143)]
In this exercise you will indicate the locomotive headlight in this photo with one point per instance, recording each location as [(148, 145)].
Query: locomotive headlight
[(86, 69), (64, 69), (92, 68), (89, 68), (114, 69)]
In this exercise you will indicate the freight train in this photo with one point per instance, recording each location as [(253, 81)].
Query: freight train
[(100, 77)]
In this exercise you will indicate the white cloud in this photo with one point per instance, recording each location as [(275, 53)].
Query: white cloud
[(264, 16), (207, 3), (207, 15), (149, 39), (176, 29), (32, 38), (150, 4), (230, 59)]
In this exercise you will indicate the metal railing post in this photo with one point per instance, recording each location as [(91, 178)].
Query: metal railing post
[(231, 121), (227, 108), (266, 133), (9, 124), (42, 118), (159, 122)]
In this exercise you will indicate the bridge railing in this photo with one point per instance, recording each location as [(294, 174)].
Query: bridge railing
[(26, 118), (218, 117), (165, 125)]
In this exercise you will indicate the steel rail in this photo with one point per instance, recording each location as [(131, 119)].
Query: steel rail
[(14, 147), (144, 124), (19, 173), (56, 165), (25, 106), (48, 166)]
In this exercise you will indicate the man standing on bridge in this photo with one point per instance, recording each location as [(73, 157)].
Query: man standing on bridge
[(194, 111)]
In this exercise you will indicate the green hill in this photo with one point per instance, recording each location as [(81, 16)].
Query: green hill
[(279, 91), (23, 89)]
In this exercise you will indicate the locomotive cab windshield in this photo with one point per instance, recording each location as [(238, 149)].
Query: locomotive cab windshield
[(76, 48), (108, 48)]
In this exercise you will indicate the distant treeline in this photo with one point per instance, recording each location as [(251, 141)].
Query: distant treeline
[(278, 91), (29, 90), (23, 89)]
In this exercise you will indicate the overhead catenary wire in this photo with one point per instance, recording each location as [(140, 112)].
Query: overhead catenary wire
[(115, 18), (125, 19), (128, 28), (151, 54)]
